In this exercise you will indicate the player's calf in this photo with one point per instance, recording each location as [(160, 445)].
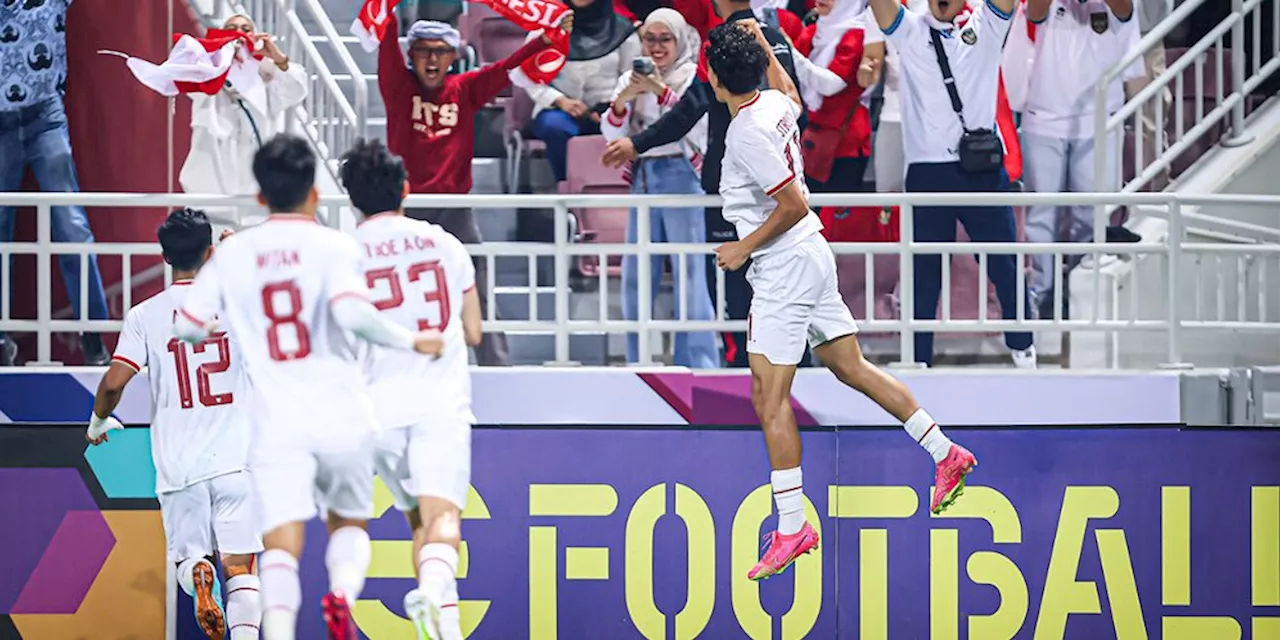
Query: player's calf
[(244, 600), (281, 589)]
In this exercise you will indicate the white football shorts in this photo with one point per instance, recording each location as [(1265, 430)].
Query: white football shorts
[(430, 459), (214, 516), (291, 480), (795, 298)]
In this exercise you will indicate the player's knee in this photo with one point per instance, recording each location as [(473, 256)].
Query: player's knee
[(237, 565)]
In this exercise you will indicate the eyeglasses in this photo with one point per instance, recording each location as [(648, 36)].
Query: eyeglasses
[(428, 52), (659, 40)]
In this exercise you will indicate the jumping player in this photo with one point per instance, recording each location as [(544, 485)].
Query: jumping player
[(199, 438), (290, 290), (419, 276), (793, 274)]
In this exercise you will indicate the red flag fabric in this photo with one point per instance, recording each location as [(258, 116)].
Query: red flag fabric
[(542, 16), (860, 224), (194, 65), (371, 23)]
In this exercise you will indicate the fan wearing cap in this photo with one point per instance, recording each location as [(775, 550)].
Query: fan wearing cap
[(431, 124)]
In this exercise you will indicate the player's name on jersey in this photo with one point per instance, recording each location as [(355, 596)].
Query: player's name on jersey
[(396, 246)]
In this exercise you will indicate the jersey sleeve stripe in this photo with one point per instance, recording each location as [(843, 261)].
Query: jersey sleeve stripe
[(348, 294), (781, 185), (127, 362), (469, 289), (189, 316)]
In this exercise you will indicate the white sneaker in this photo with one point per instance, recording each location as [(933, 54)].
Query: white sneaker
[(1025, 359)]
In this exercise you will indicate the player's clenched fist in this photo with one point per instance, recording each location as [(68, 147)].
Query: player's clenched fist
[(100, 427), (730, 256), (429, 342)]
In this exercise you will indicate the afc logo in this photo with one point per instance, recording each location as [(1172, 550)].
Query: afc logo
[(427, 116)]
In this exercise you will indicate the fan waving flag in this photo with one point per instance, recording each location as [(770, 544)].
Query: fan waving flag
[(542, 16), (371, 25), (194, 65)]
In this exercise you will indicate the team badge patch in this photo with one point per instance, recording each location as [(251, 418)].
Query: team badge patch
[(969, 36), (1099, 22)]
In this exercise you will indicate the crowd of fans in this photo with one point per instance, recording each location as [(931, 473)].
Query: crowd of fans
[(878, 113)]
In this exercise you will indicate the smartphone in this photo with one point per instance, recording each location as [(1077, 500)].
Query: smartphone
[(643, 65)]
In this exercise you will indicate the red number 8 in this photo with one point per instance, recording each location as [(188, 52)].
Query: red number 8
[(289, 318)]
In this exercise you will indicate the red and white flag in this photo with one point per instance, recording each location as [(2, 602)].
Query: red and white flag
[(194, 65), (540, 16), (371, 24)]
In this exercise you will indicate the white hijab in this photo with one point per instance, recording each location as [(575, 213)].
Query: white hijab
[(681, 71), (830, 29)]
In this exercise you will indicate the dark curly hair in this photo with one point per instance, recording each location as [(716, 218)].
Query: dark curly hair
[(373, 177), (285, 168), (184, 238), (736, 58)]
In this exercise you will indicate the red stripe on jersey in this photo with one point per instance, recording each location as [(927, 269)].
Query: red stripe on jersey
[(754, 99), (349, 294), (469, 289), (617, 120), (781, 185), (127, 362), (181, 283), (188, 315)]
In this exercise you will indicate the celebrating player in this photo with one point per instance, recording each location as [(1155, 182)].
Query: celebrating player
[(199, 441), (793, 274), (290, 289), (422, 277)]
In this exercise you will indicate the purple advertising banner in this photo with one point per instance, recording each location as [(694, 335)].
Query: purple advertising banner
[(648, 533)]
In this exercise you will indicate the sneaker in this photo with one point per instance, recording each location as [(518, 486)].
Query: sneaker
[(337, 617), (1025, 359), (781, 551), (948, 483), (208, 596), (95, 353)]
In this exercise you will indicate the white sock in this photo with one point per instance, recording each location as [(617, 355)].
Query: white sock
[(438, 581), (244, 607), (788, 495), (928, 434), (281, 594), (186, 577), (347, 559)]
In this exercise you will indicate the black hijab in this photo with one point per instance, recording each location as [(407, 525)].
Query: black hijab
[(642, 8), (597, 31)]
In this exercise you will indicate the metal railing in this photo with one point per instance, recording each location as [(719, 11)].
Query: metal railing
[(1246, 72), (1252, 312)]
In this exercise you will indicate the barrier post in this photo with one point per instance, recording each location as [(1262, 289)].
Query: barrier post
[(644, 288), (561, 261), (906, 286), (1237, 135), (44, 287), (1173, 291)]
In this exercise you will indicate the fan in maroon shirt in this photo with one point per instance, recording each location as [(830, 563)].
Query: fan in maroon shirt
[(431, 114)]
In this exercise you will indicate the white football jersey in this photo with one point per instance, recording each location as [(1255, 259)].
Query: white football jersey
[(271, 286), (762, 157), (199, 424), (417, 274)]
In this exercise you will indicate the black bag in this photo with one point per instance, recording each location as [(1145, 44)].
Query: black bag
[(980, 150)]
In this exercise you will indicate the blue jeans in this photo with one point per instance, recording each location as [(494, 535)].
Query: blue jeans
[(554, 128), (37, 136), (983, 224), (674, 175)]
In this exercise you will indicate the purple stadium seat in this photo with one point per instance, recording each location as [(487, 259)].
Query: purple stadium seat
[(586, 174), (517, 112)]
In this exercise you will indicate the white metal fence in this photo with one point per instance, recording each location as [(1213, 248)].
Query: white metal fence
[(1181, 267)]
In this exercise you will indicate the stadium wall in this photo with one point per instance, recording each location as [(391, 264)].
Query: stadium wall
[(619, 504)]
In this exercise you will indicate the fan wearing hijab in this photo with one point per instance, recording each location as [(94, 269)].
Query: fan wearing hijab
[(846, 42), (601, 48), (674, 168), (228, 128)]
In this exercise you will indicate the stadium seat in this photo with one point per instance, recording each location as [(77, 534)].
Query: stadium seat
[(495, 36), (586, 174), (517, 113)]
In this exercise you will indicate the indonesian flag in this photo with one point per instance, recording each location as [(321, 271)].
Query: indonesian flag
[(194, 65), (540, 16), (371, 24)]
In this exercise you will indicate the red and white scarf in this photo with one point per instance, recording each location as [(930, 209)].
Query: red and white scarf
[(539, 16), (194, 65), (371, 24)]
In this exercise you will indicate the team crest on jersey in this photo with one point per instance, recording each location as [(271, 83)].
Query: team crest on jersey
[(1099, 22), (969, 36)]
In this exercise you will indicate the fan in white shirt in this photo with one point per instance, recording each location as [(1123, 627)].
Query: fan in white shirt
[(199, 437), (420, 276), (290, 290), (797, 299)]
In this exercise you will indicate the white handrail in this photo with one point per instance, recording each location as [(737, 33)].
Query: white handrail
[(562, 325)]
